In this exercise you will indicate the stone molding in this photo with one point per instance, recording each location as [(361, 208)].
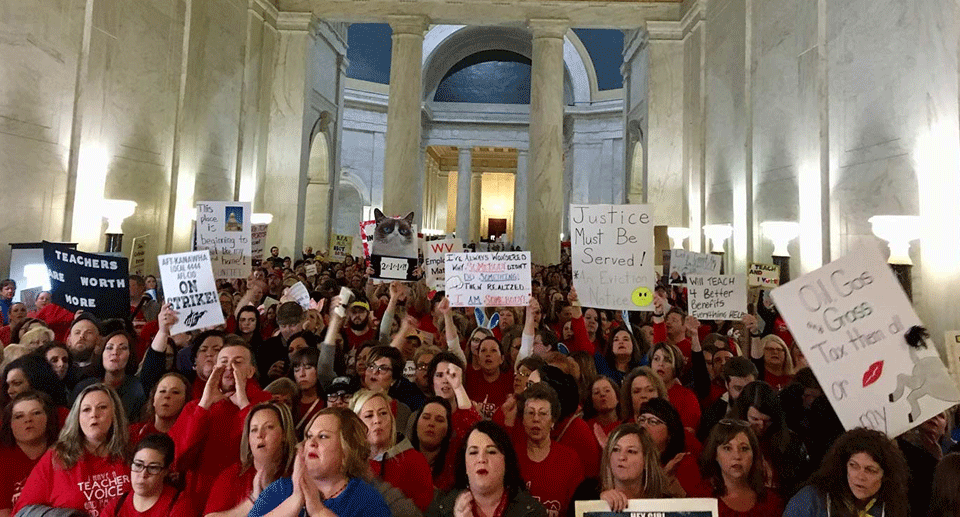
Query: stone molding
[(555, 28), (408, 24)]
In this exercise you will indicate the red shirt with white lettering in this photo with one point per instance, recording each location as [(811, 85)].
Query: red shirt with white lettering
[(553, 480), (88, 486), (490, 395), (16, 468)]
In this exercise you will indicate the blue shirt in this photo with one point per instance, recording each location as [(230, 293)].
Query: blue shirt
[(5, 310), (359, 499)]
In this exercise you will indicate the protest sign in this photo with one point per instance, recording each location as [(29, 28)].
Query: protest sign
[(764, 276), (684, 263), (223, 228), (951, 343), (434, 256), (341, 247), (849, 319), (191, 290), (612, 256), (310, 269), (138, 255), (300, 294), (705, 507), (93, 283), (716, 297), (392, 247), (258, 240), (488, 279)]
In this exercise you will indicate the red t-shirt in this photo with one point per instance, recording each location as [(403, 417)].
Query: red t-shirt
[(141, 430), (490, 395), (686, 403), (409, 472), (554, 480), (688, 470), (88, 486), (771, 504), (579, 437), (230, 489), (170, 504), (355, 340), (16, 469), (777, 381)]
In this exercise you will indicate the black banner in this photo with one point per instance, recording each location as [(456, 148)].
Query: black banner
[(87, 281)]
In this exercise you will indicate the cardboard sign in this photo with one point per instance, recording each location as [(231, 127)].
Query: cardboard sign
[(394, 252), (705, 507), (434, 258), (488, 279), (223, 228), (138, 255), (258, 240), (87, 281), (764, 276), (191, 290), (684, 263), (341, 247), (310, 269), (716, 297), (951, 343), (612, 256), (849, 319)]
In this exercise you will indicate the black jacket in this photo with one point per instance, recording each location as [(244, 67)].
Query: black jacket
[(522, 505)]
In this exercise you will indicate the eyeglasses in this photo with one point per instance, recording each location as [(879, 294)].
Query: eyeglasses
[(381, 368), (522, 375), (153, 469), (423, 367), (649, 419), (338, 397), (733, 422)]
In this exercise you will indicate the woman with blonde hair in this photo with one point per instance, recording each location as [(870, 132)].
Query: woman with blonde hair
[(92, 448), (395, 461), (773, 359), (330, 470), (267, 448), (630, 469), (36, 337)]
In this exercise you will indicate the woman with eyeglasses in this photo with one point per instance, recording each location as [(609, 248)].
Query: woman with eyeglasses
[(28, 428), (392, 460), (488, 480), (771, 355), (678, 448), (267, 448), (864, 474), (92, 448), (733, 472), (304, 365), (553, 471), (152, 494)]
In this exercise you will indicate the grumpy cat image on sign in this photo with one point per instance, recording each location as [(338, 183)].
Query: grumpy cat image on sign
[(394, 236)]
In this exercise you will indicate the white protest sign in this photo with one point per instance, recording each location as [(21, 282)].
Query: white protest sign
[(612, 256), (223, 227), (951, 343), (716, 297), (258, 240), (341, 247), (138, 255), (434, 255), (488, 279), (764, 276), (191, 290), (690, 507), (684, 263), (300, 294), (849, 319), (310, 269)]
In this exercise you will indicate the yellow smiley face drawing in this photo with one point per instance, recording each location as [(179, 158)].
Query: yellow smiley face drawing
[(642, 297)]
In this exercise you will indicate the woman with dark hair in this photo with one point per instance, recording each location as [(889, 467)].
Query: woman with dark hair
[(785, 461), (267, 448), (945, 495), (29, 427), (639, 386), (678, 449), (668, 362), (585, 324), (166, 401), (248, 326), (488, 480), (57, 356), (863, 474), (330, 470), (624, 354), (152, 493), (602, 409), (92, 446), (493, 381), (432, 433), (446, 374), (116, 367), (733, 472), (31, 372), (304, 364)]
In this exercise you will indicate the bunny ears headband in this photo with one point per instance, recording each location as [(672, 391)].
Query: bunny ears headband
[(483, 321)]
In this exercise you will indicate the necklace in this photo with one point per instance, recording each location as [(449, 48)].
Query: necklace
[(340, 491)]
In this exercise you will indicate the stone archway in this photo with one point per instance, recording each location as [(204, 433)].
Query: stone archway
[(316, 227)]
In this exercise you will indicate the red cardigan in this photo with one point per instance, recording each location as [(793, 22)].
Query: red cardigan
[(407, 469)]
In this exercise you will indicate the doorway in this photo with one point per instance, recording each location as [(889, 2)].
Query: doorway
[(496, 227)]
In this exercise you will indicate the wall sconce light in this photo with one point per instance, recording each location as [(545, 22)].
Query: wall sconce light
[(115, 211), (781, 233), (677, 235), (261, 218), (898, 231), (718, 235)]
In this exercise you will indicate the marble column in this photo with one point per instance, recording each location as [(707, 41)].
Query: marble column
[(476, 191), (463, 194), (520, 189), (401, 168), (546, 140)]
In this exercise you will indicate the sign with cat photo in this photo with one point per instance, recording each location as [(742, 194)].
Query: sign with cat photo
[(391, 246)]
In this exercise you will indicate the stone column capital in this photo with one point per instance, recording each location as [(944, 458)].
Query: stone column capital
[(408, 24), (465, 151), (548, 28), (291, 21)]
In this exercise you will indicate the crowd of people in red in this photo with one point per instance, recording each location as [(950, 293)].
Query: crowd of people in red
[(396, 403)]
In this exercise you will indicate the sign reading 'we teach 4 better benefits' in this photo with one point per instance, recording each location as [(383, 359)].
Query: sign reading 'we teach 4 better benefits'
[(612, 256), (849, 318)]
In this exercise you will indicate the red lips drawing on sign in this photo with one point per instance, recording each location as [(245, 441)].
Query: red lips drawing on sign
[(873, 373)]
